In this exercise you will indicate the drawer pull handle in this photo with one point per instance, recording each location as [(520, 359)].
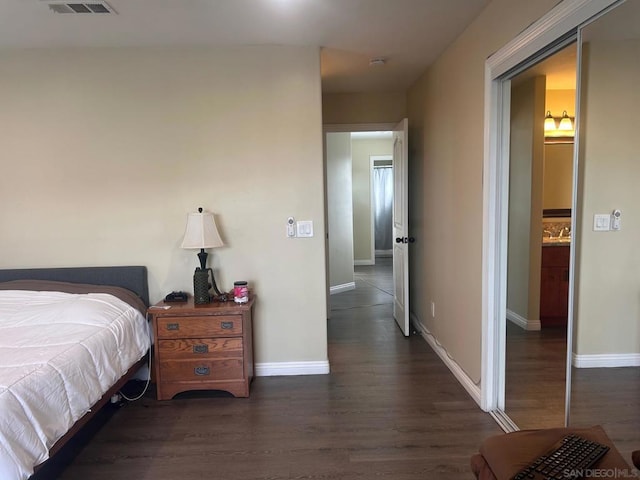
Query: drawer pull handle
[(201, 371), (226, 325), (201, 348), (173, 326)]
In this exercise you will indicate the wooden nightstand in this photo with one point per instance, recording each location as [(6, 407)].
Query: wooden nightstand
[(202, 347)]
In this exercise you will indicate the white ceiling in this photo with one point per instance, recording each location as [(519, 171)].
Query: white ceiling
[(409, 34)]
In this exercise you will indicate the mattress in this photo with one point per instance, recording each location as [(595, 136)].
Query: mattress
[(59, 354)]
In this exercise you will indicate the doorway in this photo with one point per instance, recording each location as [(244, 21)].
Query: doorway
[(349, 199), (382, 206), (365, 158), (359, 201), (372, 197)]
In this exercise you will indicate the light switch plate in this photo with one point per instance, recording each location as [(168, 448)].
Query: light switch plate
[(601, 222), (305, 228)]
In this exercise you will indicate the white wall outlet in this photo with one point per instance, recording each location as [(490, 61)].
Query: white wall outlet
[(601, 222), (305, 228), (291, 227), (433, 309)]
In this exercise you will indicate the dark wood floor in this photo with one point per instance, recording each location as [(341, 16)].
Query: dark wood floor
[(535, 376), (535, 389), (609, 397), (389, 409)]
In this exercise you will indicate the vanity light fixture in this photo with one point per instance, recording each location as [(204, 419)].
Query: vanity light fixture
[(558, 129), (549, 122)]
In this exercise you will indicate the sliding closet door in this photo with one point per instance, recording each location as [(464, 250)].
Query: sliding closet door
[(539, 242), (550, 34), (605, 386)]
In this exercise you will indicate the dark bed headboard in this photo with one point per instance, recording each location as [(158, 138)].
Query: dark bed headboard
[(133, 278)]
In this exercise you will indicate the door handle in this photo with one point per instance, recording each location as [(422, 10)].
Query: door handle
[(405, 240)]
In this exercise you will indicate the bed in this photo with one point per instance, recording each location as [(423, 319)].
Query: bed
[(69, 339)]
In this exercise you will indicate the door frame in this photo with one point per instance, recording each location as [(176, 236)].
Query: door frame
[(536, 41)]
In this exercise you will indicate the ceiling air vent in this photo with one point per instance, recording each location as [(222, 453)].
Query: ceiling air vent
[(59, 6)]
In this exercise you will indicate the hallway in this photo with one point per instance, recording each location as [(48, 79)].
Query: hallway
[(390, 409), (374, 286), (425, 424)]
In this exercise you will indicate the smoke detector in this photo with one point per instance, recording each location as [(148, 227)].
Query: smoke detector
[(377, 62), (95, 6)]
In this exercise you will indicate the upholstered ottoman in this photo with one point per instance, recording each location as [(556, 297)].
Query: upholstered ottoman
[(503, 456)]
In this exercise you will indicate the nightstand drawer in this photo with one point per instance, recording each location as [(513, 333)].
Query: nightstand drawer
[(196, 348), (204, 370), (205, 326)]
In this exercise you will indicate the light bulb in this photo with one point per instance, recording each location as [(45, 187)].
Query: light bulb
[(549, 122), (565, 122)]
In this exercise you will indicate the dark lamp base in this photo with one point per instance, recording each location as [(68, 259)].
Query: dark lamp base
[(201, 286)]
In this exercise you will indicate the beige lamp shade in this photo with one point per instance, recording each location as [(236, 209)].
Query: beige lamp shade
[(201, 231)]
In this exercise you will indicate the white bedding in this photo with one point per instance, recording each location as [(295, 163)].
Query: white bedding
[(59, 353)]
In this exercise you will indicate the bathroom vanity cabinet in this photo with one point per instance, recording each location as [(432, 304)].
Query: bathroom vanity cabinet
[(554, 285)]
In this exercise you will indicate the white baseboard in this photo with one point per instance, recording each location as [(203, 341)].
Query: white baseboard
[(467, 383), (606, 360), (384, 253), (345, 287), (358, 263), (522, 322), (273, 369)]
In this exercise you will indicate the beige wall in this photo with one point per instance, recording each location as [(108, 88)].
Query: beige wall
[(357, 108), (109, 149), (339, 209), (608, 302), (556, 101), (446, 159), (361, 152)]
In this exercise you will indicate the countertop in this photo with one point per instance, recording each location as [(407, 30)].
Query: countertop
[(556, 241)]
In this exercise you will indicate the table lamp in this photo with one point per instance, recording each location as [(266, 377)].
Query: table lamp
[(201, 232)]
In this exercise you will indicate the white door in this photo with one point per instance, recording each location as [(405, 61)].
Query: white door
[(401, 227)]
